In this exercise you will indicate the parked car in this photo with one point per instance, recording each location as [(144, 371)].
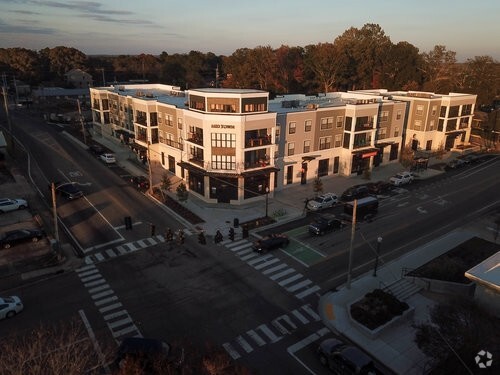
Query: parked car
[(322, 202), (148, 354), (96, 149), (17, 236), (10, 306), (270, 242), (68, 190), (355, 192), (455, 164), (325, 223), (140, 182), (108, 158), (345, 359), (402, 178), (7, 204), (379, 187)]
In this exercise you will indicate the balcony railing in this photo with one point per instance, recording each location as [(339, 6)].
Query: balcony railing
[(195, 138), (260, 141), (141, 120), (258, 164), (172, 143), (197, 161)]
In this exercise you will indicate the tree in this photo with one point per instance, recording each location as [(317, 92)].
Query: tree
[(480, 75), (457, 331), (439, 70), (323, 64), (182, 193), (63, 349), (317, 186), (165, 184), (407, 155), (402, 68), (289, 69), (59, 60)]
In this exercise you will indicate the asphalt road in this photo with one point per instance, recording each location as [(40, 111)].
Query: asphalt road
[(198, 295)]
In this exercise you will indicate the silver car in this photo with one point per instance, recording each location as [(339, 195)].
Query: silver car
[(7, 204), (10, 306)]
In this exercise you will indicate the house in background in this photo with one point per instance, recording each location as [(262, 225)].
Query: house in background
[(79, 79)]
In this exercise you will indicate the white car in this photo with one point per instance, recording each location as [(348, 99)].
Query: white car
[(7, 204), (10, 306), (402, 178), (323, 201), (108, 158)]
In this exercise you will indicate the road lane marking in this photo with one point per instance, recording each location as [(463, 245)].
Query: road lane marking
[(255, 337), (270, 334), (290, 279), (102, 294), (276, 268), (94, 283), (244, 344), (306, 292), (300, 317), (281, 274), (99, 288), (97, 348), (110, 307), (105, 300), (298, 286), (120, 322), (115, 315), (233, 353), (268, 263)]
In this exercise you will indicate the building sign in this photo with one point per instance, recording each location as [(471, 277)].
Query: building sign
[(370, 154), (220, 126)]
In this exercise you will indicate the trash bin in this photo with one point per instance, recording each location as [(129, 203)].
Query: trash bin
[(236, 222)]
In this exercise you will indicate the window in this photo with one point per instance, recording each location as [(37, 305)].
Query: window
[(466, 109), (348, 123), (434, 110), (325, 143), (442, 112), (420, 110), (340, 122), (223, 140), (277, 131), (396, 131), (168, 120), (179, 123), (431, 124), (292, 127), (307, 125), (418, 125), (382, 132), (291, 148), (399, 114), (307, 146), (326, 123), (453, 111), (384, 116), (223, 162), (338, 140)]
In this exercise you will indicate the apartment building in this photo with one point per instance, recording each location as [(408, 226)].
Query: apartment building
[(237, 145)]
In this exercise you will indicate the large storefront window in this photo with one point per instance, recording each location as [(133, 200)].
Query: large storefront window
[(197, 182), (323, 168), (255, 185), (223, 189)]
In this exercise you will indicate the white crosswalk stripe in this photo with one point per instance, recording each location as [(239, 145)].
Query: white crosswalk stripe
[(266, 264), (267, 334), (290, 280), (307, 292)]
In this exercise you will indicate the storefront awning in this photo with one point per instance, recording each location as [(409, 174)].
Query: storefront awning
[(260, 172), (367, 152), (310, 157)]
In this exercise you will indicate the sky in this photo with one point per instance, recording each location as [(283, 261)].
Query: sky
[(112, 27)]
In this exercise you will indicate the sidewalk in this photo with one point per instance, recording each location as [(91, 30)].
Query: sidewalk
[(289, 200), (395, 347)]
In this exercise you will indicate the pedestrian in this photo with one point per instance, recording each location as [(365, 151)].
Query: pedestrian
[(180, 236)]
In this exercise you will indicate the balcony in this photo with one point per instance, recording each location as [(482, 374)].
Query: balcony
[(172, 143), (198, 161), (260, 141), (196, 138), (257, 164)]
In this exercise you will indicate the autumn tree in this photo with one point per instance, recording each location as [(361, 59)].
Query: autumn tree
[(402, 68), (439, 69), (289, 69), (480, 75), (58, 61), (324, 63), (22, 63)]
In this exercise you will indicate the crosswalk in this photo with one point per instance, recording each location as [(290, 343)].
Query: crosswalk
[(116, 317), (274, 268), (127, 248), (271, 332)]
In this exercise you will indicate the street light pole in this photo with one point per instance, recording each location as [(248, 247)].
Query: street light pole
[(353, 230), (150, 171), (267, 199), (379, 242)]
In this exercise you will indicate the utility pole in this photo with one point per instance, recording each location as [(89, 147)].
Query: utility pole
[(150, 172), (353, 229), (54, 211), (81, 122)]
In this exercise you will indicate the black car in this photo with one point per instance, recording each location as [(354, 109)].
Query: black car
[(325, 223), (270, 242), (96, 149), (345, 359), (151, 355), (68, 190), (379, 187), (355, 192), (140, 182), (18, 236)]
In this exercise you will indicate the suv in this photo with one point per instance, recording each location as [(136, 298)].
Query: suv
[(270, 242), (344, 359), (323, 201), (7, 204), (68, 190), (401, 178), (325, 223), (355, 192), (140, 182)]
